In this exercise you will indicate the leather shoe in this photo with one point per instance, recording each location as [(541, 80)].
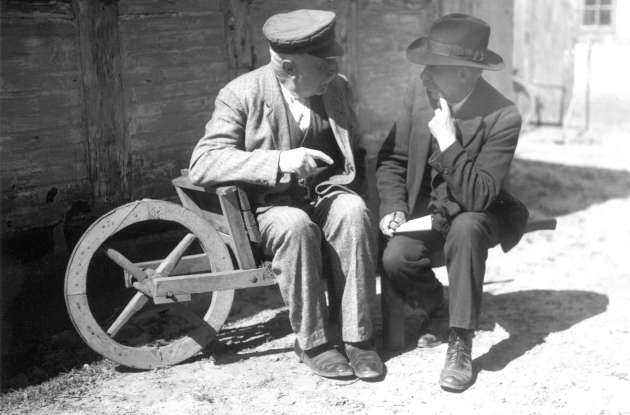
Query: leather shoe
[(325, 361), (433, 333), (364, 360), (457, 373)]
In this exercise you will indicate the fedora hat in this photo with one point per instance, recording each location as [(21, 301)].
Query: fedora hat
[(456, 39)]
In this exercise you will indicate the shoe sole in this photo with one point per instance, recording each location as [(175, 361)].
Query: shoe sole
[(450, 388), (323, 374), (370, 376)]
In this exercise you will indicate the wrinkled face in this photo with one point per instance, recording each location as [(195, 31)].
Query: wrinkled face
[(313, 75), (445, 79)]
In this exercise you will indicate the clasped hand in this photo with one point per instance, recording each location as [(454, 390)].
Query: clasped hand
[(391, 222), (442, 125), (301, 161)]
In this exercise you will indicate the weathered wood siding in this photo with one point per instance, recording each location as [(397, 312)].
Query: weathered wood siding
[(174, 63), (103, 102), (43, 169)]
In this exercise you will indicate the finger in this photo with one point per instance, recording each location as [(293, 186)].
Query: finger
[(444, 104), (383, 225), (320, 156), (311, 162)]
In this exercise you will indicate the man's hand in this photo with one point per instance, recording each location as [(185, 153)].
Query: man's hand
[(442, 125), (301, 161), (390, 222)]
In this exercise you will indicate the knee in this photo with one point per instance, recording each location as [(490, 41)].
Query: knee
[(351, 209), (467, 223), (391, 261), (469, 227), (298, 225), (396, 257)]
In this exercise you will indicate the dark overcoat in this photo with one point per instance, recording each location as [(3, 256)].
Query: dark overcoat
[(474, 167)]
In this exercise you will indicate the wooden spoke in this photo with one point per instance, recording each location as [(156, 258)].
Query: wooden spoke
[(169, 263), (136, 303), (135, 346), (120, 259)]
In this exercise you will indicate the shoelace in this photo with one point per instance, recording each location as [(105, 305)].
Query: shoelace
[(456, 348)]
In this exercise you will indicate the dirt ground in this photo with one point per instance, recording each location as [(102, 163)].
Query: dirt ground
[(554, 335)]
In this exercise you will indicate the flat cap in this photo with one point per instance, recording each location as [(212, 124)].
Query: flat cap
[(304, 31)]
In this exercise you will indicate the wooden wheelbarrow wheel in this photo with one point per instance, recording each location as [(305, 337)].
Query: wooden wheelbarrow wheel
[(95, 239)]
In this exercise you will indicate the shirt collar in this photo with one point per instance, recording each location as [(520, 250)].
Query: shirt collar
[(288, 95), (457, 106)]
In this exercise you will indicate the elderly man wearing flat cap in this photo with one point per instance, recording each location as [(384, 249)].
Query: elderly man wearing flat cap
[(287, 133), (447, 167)]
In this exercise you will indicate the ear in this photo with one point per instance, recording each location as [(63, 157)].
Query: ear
[(289, 68), (464, 74)]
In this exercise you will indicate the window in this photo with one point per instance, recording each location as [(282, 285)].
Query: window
[(598, 14)]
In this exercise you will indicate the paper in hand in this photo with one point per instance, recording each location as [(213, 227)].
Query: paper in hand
[(415, 225)]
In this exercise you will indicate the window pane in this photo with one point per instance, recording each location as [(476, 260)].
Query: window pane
[(589, 17), (590, 2), (605, 18), (606, 2)]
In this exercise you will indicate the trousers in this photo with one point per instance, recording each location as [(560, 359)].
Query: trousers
[(339, 229), (466, 245)]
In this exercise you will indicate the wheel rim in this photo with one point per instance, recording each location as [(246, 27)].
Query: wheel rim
[(76, 291)]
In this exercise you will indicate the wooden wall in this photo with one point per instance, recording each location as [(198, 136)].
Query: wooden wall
[(103, 101), (43, 169)]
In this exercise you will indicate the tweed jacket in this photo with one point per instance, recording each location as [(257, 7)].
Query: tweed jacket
[(249, 128), (474, 167)]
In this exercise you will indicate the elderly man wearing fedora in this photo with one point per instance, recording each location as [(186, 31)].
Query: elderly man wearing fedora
[(447, 165), (287, 132)]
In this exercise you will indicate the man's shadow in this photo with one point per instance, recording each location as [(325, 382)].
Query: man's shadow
[(529, 317)]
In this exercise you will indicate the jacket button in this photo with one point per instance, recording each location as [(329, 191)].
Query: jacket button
[(446, 171), (440, 165)]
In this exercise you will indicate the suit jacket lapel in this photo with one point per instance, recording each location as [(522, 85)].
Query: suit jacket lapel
[(470, 116), (338, 120), (272, 98), (419, 154)]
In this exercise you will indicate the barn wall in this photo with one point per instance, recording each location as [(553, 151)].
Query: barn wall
[(173, 65), (43, 168), (103, 101)]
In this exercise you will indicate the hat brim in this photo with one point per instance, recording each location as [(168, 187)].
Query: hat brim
[(417, 53), (334, 51)]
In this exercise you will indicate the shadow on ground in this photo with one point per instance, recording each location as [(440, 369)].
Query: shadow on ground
[(45, 342), (529, 317)]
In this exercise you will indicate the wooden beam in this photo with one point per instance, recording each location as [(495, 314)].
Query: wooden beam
[(207, 282), (107, 144), (238, 39)]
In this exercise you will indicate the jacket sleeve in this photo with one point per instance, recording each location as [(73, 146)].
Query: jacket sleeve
[(221, 156), (476, 182), (391, 165)]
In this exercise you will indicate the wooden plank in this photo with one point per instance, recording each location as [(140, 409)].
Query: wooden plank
[(210, 282), (150, 7), (188, 264), (232, 211), (108, 142)]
